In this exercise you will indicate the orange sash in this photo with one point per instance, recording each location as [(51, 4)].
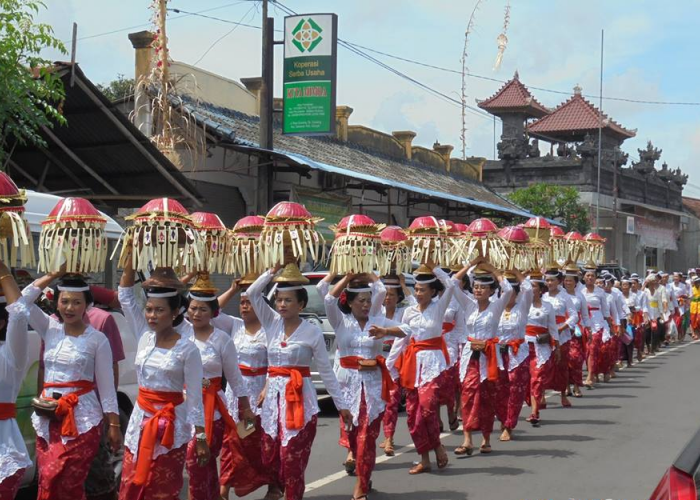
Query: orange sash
[(147, 399), (8, 411), (247, 371), (212, 401), (406, 364), (534, 331), (294, 394), (515, 345), (353, 363), (447, 327), (561, 319), (491, 358), (67, 403)]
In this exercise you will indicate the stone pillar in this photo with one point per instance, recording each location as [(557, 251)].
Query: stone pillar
[(444, 150), (342, 115), (254, 85), (405, 137), (143, 53)]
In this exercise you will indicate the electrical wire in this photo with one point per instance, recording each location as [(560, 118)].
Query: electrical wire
[(252, 8)]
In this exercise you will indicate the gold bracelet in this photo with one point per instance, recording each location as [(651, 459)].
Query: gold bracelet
[(115, 425), (8, 275)]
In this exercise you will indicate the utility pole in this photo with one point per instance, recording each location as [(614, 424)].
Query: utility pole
[(265, 162), (600, 132)]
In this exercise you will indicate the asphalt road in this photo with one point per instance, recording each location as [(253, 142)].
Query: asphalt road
[(615, 443)]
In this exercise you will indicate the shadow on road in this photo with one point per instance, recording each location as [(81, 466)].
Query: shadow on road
[(545, 422), (552, 437)]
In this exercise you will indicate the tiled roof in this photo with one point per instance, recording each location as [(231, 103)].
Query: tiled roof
[(692, 205), (513, 96), (351, 159), (576, 115)]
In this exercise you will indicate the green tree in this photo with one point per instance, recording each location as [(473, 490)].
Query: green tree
[(118, 89), (30, 92), (554, 202)]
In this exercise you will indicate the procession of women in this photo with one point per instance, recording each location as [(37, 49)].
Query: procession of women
[(496, 318)]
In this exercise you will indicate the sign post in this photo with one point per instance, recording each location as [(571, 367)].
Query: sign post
[(309, 82)]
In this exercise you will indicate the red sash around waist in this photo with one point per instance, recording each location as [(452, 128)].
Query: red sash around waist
[(534, 331), (515, 345), (68, 402), (561, 319), (8, 411), (294, 393), (491, 357), (248, 371), (211, 402), (353, 363), (447, 327), (406, 364), (147, 399)]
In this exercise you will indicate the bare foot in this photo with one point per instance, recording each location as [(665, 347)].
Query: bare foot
[(505, 435)]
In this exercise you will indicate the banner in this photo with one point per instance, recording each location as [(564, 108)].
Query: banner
[(309, 82), (332, 207)]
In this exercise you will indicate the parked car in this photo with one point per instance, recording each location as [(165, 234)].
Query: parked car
[(315, 312), (37, 209), (681, 479), (615, 269)]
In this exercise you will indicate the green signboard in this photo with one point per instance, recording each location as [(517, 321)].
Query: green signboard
[(310, 47)]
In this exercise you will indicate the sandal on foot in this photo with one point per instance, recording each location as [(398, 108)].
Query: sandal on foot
[(454, 424), (566, 404), (418, 468), (382, 445), (578, 394), (505, 436), (442, 462), (485, 449), (464, 450), (349, 467), (389, 448), (360, 497)]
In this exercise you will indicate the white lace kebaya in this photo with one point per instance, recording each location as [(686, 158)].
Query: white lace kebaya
[(425, 325), (543, 317), (252, 354), (69, 359), (563, 308), (13, 368), (355, 341), (511, 327), (219, 359), (482, 325), (167, 370), (303, 346), (598, 307)]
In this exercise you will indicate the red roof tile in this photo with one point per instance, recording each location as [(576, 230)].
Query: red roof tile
[(692, 205), (576, 115), (513, 97)]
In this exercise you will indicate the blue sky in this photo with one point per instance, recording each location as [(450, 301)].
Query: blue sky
[(650, 54)]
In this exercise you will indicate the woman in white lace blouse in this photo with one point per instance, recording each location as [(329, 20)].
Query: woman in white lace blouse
[(78, 365), (14, 316), (362, 372), (161, 424)]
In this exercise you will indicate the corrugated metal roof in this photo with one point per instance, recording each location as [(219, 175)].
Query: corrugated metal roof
[(353, 160)]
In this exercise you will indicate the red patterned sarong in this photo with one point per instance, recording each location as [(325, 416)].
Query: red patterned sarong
[(363, 444), (63, 468), (576, 359), (204, 480), (165, 477), (513, 392), (539, 377), (448, 389), (241, 462), (560, 373), (478, 400), (422, 407), (391, 414), (595, 361), (287, 464), (10, 485)]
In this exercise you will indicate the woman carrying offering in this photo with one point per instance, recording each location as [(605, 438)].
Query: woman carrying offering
[(422, 361), (363, 376), (600, 326), (582, 331), (241, 459), (219, 359), (695, 308), (480, 356), (162, 421), (396, 293), (514, 372), (14, 316), (289, 399), (566, 317), (77, 363), (542, 336)]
